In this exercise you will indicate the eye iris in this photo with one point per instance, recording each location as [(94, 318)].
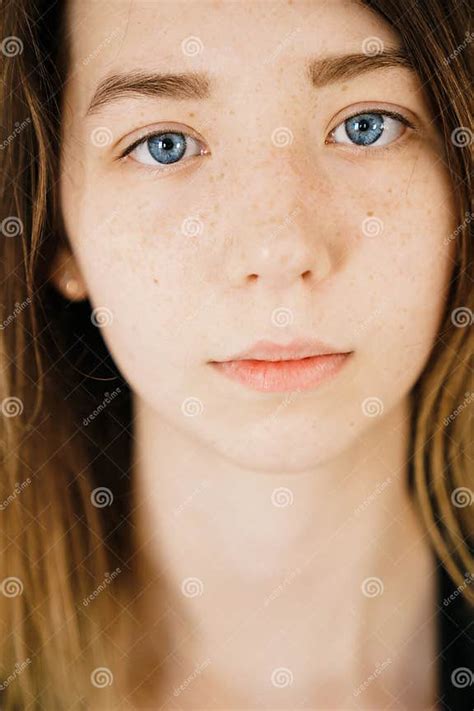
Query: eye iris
[(365, 129), (167, 147)]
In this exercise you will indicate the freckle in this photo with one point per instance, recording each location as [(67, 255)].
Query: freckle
[(370, 213), (155, 280)]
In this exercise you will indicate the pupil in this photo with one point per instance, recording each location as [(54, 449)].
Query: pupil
[(364, 125), (167, 143)]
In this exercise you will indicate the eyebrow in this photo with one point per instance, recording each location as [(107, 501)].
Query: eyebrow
[(198, 85)]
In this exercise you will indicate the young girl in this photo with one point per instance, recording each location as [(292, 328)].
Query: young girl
[(236, 342)]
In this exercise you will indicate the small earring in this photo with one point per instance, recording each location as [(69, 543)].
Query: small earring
[(70, 285)]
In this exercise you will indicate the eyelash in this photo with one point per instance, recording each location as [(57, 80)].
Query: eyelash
[(397, 143)]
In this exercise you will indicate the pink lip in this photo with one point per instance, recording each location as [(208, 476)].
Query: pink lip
[(269, 367)]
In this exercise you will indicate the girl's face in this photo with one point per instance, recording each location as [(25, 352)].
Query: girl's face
[(271, 222)]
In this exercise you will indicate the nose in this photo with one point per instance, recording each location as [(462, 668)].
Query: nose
[(280, 239)]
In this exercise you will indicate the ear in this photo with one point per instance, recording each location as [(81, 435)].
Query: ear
[(66, 276)]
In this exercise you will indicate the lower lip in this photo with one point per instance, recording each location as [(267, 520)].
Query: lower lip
[(278, 376)]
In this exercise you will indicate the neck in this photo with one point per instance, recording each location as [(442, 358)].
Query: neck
[(241, 556)]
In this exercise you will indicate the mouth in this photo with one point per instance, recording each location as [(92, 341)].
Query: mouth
[(279, 374)]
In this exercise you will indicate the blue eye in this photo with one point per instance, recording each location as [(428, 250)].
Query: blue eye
[(370, 129), (163, 148), (167, 147)]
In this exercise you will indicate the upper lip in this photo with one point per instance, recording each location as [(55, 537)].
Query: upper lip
[(299, 348)]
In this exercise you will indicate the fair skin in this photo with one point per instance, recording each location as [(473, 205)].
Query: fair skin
[(204, 485)]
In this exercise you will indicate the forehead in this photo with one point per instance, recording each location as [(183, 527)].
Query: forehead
[(225, 37)]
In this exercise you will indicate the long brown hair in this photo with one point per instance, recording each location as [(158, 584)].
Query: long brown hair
[(67, 558)]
